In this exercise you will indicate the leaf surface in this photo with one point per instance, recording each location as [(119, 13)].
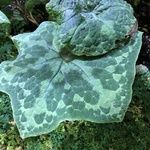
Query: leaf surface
[(92, 27), (46, 90)]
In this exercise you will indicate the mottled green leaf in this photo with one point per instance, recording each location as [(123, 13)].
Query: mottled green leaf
[(92, 27), (49, 82), (4, 25), (45, 90)]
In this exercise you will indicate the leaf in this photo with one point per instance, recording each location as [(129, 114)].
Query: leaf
[(30, 4), (46, 90), (92, 28), (4, 3), (4, 25)]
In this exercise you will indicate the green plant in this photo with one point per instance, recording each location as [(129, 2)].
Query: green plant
[(4, 26), (7, 48), (4, 3), (80, 67), (31, 4)]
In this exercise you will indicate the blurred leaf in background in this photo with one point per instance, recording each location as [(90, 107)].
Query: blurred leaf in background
[(31, 4), (4, 3), (134, 2)]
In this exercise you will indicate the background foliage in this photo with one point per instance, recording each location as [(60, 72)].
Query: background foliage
[(132, 133)]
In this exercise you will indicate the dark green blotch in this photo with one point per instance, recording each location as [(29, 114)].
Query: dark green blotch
[(8, 68), (39, 118), (110, 84), (29, 102), (90, 113), (21, 127), (74, 113), (39, 51), (49, 118), (30, 72), (58, 84), (23, 62), (17, 112), (91, 97), (87, 86), (30, 128), (124, 92), (68, 98), (44, 73), (82, 86), (15, 79), (79, 91), (114, 116), (30, 60), (74, 77), (78, 105), (118, 96), (117, 102), (21, 79), (36, 130), (107, 61), (85, 113), (21, 94), (16, 102), (119, 70), (29, 85), (124, 61), (123, 80), (4, 80), (97, 112), (60, 111), (99, 73), (105, 110), (20, 64), (103, 117), (36, 91), (23, 118), (17, 88), (51, 104), (58, 92), (46, 126)]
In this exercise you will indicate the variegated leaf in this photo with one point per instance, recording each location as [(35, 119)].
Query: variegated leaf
[(4, 25), (45, 89)]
